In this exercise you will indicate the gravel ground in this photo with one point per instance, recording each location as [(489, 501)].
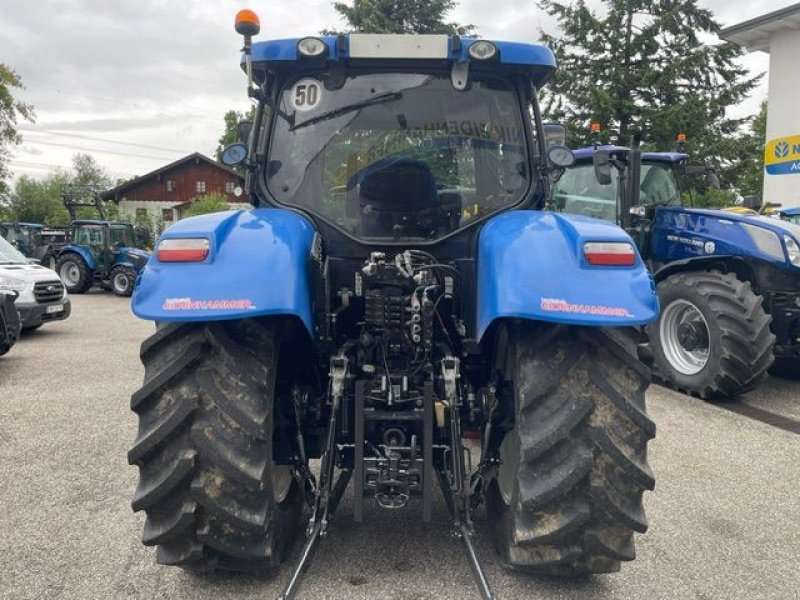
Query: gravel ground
[(723, 518)]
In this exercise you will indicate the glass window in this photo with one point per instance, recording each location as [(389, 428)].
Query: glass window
[(399, 155), (166, 214), (200, 188), (578, 191), (171, 185), (229, 187), (122, 234), (9, 254)]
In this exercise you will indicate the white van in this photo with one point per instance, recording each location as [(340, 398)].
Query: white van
[(42, 296)]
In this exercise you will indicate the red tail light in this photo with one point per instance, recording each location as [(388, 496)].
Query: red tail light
[(614, 254), (183, 250)]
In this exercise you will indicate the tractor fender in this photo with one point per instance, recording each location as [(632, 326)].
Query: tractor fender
[(124, 263), (258, 264), (81, 251), (531, 265), (721, 262)]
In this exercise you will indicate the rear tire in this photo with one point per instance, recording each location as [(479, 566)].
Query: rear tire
[(207, 481), (568, 495), (74, 273), (738, 341)]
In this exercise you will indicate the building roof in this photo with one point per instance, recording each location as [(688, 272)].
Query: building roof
[(116, 193), (755, 34)]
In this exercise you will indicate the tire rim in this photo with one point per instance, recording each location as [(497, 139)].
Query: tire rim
[(121, 282), (70, 273), (282, 478), (684, 336), (507, 473)]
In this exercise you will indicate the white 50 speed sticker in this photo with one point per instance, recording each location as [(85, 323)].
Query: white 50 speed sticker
[(306, 94)]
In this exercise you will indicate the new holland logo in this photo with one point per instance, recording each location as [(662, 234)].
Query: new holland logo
[(782, 155)]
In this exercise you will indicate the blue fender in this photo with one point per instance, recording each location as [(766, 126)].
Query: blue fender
[(81, 251), (258, 264), (531, 266)]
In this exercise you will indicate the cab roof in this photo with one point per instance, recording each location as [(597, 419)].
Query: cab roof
[(404, 50), (665, 157)]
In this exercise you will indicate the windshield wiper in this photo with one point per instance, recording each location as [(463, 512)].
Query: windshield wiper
[(343, 110)]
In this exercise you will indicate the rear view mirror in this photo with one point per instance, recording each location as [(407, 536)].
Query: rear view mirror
[(555, 134), (233, 155), (711, 177), (561, 157), (243, 131), (602, 167)]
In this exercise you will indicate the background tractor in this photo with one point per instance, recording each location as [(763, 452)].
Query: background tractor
[(98, 251), (30, 239), (729, 283), (394, 290)]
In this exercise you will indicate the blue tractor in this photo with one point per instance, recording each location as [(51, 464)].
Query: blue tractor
[(729, 284), (98, 252), (395, 290)]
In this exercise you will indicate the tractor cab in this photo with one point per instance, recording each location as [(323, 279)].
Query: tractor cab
[(25, 237)]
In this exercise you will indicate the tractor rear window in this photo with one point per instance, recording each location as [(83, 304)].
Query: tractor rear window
[(398, 156), (578, 192)]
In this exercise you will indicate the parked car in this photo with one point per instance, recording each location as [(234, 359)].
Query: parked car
[(42, 296)]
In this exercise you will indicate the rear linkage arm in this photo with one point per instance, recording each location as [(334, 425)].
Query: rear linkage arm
[(327, 495), (456, 489)]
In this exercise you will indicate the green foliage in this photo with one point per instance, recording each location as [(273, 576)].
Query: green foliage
[(10, 110), (38, 201), (112, 211), (642, 65), (406, 16), (86, 171), (208, 204)]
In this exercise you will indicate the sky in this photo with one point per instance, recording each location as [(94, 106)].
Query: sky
[(140, 83)]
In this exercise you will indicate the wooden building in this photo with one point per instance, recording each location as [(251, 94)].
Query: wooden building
[(165, 194)]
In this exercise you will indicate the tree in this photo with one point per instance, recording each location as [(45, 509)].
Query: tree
[(395, 16), (88, 172), (39, 201), (10, 110), (208, 204), (641, 65)]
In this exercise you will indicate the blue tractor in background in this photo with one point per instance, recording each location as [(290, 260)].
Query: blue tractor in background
[(395, 289), (98, 252), (729, 284), (29, 238)]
